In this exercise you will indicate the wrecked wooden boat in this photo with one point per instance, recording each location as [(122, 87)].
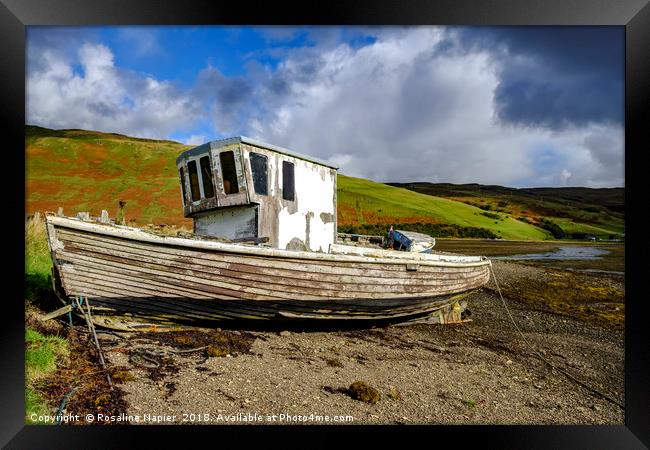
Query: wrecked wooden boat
[(406, 241), (264, 248)]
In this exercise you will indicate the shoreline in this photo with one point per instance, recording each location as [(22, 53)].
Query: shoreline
[(478, 372)]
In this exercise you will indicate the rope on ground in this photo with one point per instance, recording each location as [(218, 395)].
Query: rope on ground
[(65, 399), (190, 350), (541, 357)]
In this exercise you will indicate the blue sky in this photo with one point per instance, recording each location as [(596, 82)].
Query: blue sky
[(516, 106)]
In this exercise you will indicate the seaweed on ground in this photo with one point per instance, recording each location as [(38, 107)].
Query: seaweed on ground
[(92, 393), (230, 342), (360, 390)]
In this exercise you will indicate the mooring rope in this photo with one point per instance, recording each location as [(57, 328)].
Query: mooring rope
[(541, 357), (65, 399)]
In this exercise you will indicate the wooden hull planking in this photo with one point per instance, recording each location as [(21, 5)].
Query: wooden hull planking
[(127, 272)]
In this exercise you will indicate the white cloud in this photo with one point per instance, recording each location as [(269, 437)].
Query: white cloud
[(565, 175), (195, 139), (397, 110), (103, 97), (394, 110)]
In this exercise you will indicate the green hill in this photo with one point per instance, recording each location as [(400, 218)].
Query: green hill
[(576, 210), (363, 202), (89, 171)]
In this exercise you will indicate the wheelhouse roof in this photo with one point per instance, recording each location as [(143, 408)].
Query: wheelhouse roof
[(203, 148)]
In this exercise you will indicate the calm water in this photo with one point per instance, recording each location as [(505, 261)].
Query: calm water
[(563, 253)]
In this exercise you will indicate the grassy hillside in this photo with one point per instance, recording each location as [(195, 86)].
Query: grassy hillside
[(89, 171), (598, 212), (366, 202)]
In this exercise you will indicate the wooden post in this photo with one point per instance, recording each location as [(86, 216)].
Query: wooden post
[(104, 217), (57, 313), (120, 219), (60, 211), (91, 329)]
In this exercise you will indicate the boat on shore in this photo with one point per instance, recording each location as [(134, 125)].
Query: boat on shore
[(264, 248)]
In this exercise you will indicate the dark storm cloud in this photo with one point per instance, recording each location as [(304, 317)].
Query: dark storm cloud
[(553, 77), (224, 97), (212, 84), (279, 85), (233, 91), (104, 109)]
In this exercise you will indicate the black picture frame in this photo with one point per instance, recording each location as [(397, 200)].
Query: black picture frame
[(634, 15)]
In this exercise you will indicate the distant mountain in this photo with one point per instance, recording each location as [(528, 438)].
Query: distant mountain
[(610, 198), (575, 209)]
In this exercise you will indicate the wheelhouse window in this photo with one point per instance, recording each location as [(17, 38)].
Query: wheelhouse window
[(181, 172), (206, 175), (194, 181), (288, 182), (229, 173), (259, 169)]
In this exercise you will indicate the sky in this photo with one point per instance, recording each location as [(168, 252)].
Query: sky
[(513, 106)]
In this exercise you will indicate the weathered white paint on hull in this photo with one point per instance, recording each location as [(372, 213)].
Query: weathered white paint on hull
[(126, 269)]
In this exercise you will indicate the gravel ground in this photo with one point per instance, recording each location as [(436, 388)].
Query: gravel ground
[(479, 372)]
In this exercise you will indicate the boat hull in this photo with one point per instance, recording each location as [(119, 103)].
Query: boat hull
[(131, 276)]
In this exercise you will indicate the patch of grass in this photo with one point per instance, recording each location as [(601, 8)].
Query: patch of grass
[(38, 265), (570, 227), (83, 372), (43, 353), (37, 254), (35, 404), (469, 403), (33, 321)]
